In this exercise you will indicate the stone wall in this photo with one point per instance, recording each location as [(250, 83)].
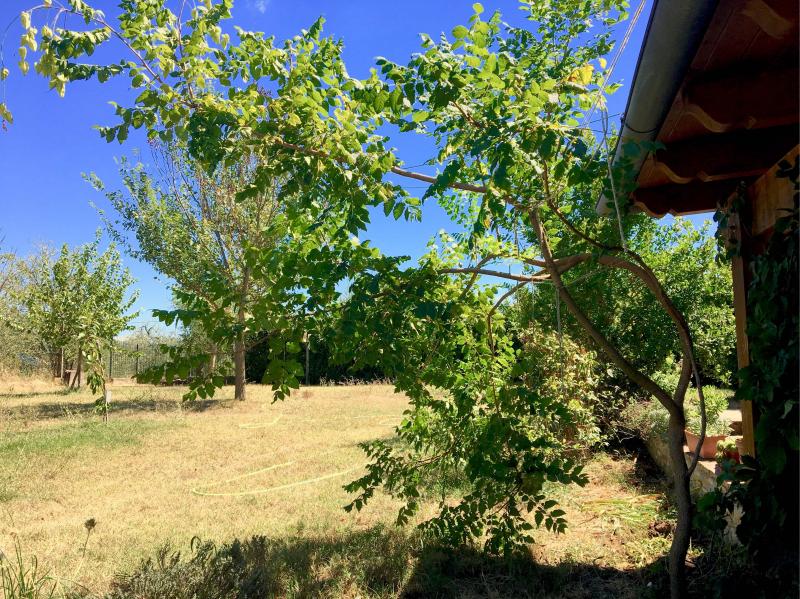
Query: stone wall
[(704, 478)]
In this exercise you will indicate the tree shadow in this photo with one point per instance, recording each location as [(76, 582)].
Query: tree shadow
[(377, 562), (52, 410), (28, 394)]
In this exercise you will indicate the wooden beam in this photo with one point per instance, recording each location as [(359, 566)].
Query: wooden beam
[(753, 99), (742, 348), (738, 155), (767, 196), (679, 199)]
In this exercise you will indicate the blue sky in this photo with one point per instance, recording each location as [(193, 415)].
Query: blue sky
[(43, 198)]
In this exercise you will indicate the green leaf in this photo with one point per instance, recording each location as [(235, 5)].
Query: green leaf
[(460, 32), (5, 113)]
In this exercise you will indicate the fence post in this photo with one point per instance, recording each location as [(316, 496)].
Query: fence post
[(136, 367), (308, 373), (110, 361)]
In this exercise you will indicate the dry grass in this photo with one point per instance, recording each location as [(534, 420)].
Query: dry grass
[(137, 484), (61, 465)]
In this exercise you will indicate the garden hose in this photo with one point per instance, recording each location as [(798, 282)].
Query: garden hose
[(255, 425), (199, 490)]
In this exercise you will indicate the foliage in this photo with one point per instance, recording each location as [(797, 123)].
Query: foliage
[(766, 487), (562, 369), (646, 418), (322, 368), (518, 174), (20, 351), (78, 301), (187, 223), (685, 259), (376, 563), (476, 406), (716, 402)]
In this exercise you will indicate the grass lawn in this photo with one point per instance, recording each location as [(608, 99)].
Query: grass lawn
[(263, 483)]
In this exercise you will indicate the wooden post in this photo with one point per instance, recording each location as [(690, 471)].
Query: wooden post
[(136, 364), (767, 196), (743, 350), (308, 372)]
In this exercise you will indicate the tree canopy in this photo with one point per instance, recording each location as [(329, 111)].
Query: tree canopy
[(77, 301), (519, 172)]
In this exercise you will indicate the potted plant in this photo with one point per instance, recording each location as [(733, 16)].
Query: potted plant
[(716, 426), (728, 449)]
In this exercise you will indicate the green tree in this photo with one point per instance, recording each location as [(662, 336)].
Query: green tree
[(19, 348), (77, 302), (518, 173), (686, 261), (187, 223)]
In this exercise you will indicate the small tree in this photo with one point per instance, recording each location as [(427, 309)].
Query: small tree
[(77, 301), (187, 223)]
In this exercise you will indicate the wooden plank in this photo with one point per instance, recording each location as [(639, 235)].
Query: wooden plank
[(766, 197), (742, 349), (769, 195)]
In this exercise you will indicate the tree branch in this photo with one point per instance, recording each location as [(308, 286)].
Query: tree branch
[(535, 278)]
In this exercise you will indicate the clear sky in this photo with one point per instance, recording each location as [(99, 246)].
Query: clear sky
[(43, 198)]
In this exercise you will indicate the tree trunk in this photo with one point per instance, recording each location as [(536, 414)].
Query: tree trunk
[(683, 500), (76, 379), (677, 419), (212, 359), (238, 365), (239, 346)]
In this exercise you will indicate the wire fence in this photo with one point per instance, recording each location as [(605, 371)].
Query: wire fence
[(126, 361)]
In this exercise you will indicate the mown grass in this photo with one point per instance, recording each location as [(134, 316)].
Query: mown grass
[(74, 437), (250, 481)]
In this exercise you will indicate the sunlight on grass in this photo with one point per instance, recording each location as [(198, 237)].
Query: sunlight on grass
[(74, 437)]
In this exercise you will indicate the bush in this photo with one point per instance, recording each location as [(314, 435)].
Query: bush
[(648, 418), (259, 567), (716, 402), (566, 372)]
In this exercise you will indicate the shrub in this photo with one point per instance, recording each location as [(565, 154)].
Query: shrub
[(716, 402), (563, 370), (649, 418)]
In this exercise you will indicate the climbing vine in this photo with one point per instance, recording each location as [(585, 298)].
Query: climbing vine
[(766, 487)]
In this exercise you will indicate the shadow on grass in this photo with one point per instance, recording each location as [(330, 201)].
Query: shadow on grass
[(60, 409), (28, 394), (378, 562)]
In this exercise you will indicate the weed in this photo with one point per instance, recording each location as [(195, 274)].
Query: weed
[(21, 579)]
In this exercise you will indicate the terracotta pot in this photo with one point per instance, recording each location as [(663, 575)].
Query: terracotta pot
[(732, 454), (709, 449)]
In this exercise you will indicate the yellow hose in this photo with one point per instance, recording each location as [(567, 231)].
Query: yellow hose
[(252, 425), (255, 425)]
